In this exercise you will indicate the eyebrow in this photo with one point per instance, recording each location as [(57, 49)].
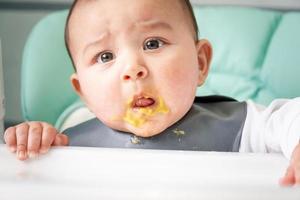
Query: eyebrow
[(154, 24), (99, 39), (151, 24)]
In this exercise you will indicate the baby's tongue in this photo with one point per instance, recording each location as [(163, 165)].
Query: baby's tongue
[(144, 102)]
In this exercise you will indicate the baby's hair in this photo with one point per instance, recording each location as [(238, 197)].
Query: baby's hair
[(186, 6)]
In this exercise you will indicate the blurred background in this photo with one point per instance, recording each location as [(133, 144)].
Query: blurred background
[(17, 17)]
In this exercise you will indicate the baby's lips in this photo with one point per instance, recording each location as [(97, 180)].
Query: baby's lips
[(143, 102)]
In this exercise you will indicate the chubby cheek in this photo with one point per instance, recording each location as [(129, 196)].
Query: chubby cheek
[(180, 78), (100, 94)]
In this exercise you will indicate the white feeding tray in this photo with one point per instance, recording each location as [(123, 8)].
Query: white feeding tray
[(102, 173)]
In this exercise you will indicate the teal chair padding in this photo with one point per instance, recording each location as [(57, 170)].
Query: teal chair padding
[(256, 56), (256, 52), (46, 68)]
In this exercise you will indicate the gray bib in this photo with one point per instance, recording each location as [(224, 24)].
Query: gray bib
[(214, 123)]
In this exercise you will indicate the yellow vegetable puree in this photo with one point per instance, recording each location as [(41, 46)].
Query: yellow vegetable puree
[(140, 116)]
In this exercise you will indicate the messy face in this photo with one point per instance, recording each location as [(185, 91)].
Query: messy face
[(138, 65)]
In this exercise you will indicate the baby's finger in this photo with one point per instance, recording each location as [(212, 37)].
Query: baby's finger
[(10, 139), (34, 139), (289, 177), (48, 137), (22, 138), (297, 174), (61, 140)]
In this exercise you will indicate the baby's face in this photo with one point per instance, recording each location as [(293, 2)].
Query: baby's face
[(138, 65)]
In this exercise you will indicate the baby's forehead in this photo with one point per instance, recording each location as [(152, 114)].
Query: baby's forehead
[(97, 15), (102, 12), (174, 6)]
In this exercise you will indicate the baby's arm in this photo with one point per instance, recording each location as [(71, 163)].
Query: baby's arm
[(292, 175), (29, 139), (275, 128)]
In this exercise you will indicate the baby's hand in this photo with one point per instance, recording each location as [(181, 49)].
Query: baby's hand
[(29, 139), (292, 175)]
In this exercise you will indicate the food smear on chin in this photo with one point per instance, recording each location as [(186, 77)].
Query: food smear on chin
[(139, 116)]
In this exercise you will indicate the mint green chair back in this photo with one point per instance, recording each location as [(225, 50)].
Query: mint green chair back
[(256, 56), (256, 52), (46, 68)]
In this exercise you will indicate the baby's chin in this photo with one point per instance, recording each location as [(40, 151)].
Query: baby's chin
[(148, 129)]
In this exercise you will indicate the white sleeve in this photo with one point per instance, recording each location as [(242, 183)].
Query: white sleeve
[(275, 128)]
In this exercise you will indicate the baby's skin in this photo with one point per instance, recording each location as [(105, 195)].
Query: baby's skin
[(29, 139), (137, 71)]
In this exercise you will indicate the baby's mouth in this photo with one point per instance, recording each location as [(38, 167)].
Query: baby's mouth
[(141, 108), (142, 102)]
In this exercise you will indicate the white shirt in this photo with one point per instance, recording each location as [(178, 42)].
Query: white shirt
[(275, 128)]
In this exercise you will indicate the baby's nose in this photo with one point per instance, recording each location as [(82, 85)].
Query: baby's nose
[(135, 74)]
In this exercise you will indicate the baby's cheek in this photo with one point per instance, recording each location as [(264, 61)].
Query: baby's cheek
[(179, 89), (99, 99), (180, 80)]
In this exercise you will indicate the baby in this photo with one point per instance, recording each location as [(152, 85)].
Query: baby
[(138, 65)]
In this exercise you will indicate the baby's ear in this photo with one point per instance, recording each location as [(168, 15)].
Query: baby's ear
[(204, 50), (76, 84)]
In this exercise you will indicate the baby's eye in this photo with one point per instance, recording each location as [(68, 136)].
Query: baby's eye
[(152, 44), (105, 57)]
